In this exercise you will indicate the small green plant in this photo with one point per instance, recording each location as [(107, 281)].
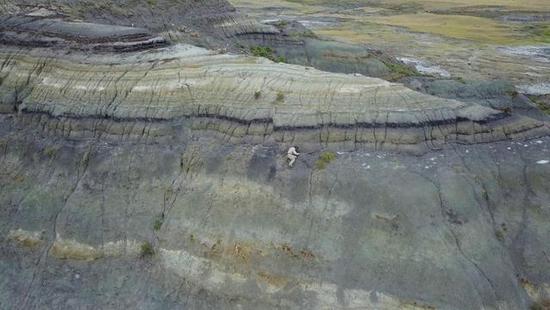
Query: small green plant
[(157, 225), (50, 151), (541, 305), (544, 107), (152, 2), (280, 97), (262, 51), (266, 52), (400, 70), (280, 59), (324, 159), (147, 249), (500, 235), (257, 94)]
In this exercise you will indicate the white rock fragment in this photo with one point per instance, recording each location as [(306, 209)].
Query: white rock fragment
[(543, 162), (425, 67)]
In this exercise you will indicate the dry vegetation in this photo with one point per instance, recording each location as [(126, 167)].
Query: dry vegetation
[(418, 16)]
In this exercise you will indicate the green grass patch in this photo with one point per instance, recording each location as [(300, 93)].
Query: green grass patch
[(266, 52), (541, 305), (257, 94), (540, 33), (325, 159), (400, 70), (50, 151), (544, 107), (280, 97), (147, 250), (157, 224)]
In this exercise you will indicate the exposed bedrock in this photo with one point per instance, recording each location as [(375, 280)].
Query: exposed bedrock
[(299, 45), (230, 226), (242, 98), (205, 22), (214, 24), (496, 94), (30, 31)]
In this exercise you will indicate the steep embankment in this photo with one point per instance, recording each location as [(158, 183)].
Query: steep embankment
[(153, 94), (156, 178), (212, 24), (232, 227), (205, 22)]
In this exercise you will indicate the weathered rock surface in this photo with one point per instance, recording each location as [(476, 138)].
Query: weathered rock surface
[(153, 94), (156, 178), (233, 228), (496, 94), (212, 24), (206, 22), (30, 31), (299, 45)]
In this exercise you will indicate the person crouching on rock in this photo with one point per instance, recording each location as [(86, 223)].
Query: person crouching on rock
[(292, 154)]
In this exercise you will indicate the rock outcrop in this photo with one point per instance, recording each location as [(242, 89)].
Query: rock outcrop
[(30, 31), (230, 226), (243, 98), (154, 177), (206, 22), (212, 24)]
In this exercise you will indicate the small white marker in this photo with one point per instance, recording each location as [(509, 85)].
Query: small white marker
[(543, 162)]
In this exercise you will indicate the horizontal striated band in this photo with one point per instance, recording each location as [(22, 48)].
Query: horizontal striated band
[(240, 96)]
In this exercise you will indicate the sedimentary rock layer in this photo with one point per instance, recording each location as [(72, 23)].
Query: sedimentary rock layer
[(232, 227), (30, 31), (239, 97), (205, 21)]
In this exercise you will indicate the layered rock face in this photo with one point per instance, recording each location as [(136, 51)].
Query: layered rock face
[(246, 99), (212, 24), (155, 178), (232, 227), (208, 22), (30, 31)]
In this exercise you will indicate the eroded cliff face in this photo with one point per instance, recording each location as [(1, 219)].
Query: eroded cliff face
[(211, 24), (155, 177), (231, 226), (205, 22), (152, 94)]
